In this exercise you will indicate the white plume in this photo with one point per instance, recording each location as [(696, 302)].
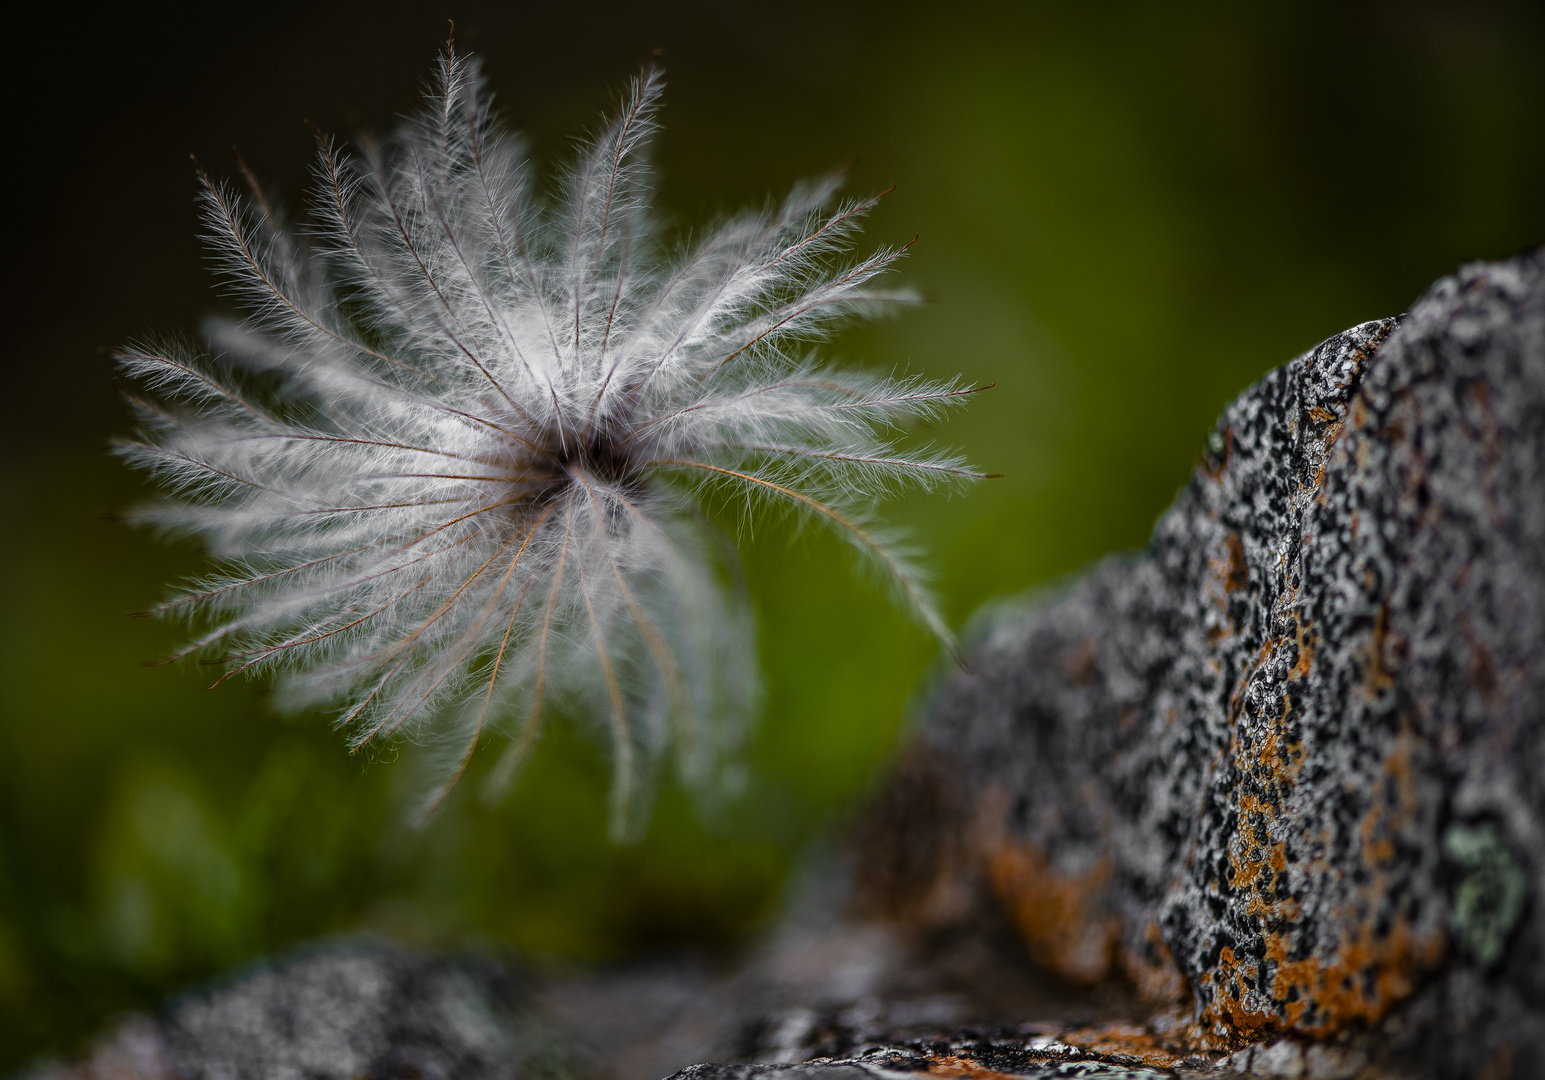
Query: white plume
[(454, 461)]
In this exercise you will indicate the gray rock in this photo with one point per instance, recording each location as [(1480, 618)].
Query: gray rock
[(1284, 767), (340, 1012), (356, 1011)]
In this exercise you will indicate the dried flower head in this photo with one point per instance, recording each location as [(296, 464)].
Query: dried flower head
[(455, 460)]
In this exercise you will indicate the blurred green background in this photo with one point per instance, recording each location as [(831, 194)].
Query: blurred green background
[(1127, 212)]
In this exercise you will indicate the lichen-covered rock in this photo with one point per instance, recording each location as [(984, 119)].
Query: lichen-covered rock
[(1289, 762)]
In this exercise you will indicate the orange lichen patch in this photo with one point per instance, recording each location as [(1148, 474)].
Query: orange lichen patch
[(1400, 781), (1235, 1014), (1062, 917), (1369, 967), (1359, 985), (1304, 641), (1358, 413), (1327, 442), (1238, 571), (1124, 1040), (1368, 975), (1257, 861), (1237, 698), (954, 1066), (1358, 967), (1331, 434), (1151, 968), (1228, 573), (1378, 675), (1277, 750)]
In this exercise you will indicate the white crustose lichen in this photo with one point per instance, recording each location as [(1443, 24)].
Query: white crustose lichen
[(455, 460)]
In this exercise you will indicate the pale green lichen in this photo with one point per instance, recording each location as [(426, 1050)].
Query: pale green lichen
[(1489, 897)]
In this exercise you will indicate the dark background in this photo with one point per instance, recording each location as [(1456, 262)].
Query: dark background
[(1127, 212)]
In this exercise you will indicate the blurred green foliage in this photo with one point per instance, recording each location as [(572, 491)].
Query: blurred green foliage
[(1127, 213)]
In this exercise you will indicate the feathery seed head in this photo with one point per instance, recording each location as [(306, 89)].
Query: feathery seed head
[(454, 461)]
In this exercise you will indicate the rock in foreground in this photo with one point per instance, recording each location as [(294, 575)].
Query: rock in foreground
[(1284, 771), (357, 1009)]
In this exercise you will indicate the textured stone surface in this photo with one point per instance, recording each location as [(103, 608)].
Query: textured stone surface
[(1289, 762), (339, 1013), (1282, 773)]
